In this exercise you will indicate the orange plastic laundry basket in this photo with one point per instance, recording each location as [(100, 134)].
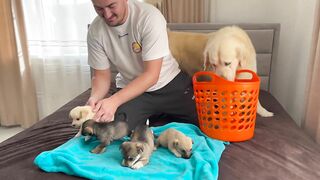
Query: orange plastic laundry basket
[(226, 109)]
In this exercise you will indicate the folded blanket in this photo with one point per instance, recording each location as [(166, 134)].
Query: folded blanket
[(74, 158)]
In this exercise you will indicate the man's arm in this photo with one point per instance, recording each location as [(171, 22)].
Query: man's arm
[(100, 85), (147, 79)]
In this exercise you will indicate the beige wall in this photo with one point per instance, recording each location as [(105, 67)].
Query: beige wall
[(288, 78)]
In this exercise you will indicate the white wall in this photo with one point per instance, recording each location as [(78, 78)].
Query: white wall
[(289, 72)]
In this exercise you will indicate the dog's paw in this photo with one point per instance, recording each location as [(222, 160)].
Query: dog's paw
[(137, 165), (123, 163), (87, 138), (265, 113), (177, 154), (98, 150), (77, 135)]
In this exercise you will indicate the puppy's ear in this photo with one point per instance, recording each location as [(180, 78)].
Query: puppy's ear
[(89, 130), (140, 148), (131, 135), (175, 142), (123, 146), (84, 113), (191, 140)]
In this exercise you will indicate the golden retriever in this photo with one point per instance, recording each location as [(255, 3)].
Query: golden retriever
[(229, 50), (187, 48)]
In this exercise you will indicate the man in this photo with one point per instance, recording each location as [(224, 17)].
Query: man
[(132, 37)]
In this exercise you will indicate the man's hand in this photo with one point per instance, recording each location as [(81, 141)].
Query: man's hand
[(92, 102), (105, 110)]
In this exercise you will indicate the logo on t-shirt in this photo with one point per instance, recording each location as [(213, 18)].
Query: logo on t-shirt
[(136, 47)]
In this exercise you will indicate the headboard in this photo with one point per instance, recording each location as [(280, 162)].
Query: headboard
[(265, 38)]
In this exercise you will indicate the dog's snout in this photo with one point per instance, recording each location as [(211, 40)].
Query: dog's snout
[(186, 155)]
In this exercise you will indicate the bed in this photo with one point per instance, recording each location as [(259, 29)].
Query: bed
[(279, 149)]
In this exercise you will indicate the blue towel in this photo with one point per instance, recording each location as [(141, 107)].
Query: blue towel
[(74, 158)]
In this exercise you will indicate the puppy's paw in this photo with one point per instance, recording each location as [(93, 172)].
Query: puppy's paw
[(77, 135), (123, 163), (98, 150), (137, 165), (178, 155), (87, 138)]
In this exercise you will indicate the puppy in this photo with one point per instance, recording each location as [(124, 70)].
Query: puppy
[(229, 50), (105, 132), (178, 143), (79, 115), (136, 153), (187, 48)]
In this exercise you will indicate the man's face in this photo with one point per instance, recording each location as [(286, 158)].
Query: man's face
[(114, 12)]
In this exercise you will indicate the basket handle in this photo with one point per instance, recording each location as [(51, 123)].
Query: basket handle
[(254, 75), (212, 75)]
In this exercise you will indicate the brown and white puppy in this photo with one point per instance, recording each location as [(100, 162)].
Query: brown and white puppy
[(105, 132), (79, 115), (136, 153), (187, 48), (177, 142), (229, 50)]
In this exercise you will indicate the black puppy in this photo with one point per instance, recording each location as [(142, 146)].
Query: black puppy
[(105, 132)]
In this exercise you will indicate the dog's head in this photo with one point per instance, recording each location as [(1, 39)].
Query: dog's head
[(87, 128), (132, 152), (184, 147), (80, 114), (225, 54)]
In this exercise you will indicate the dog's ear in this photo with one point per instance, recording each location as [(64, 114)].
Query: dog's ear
[(131, 134), (242, 55), (139, 148), (89, 130), (175, 142), (210, 55), (191, 140), (123, 146), (84, 113), (206, 62)]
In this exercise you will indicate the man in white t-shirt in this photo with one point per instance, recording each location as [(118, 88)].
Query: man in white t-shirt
[(132, 37)]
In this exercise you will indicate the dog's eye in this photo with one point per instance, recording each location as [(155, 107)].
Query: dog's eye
[(227, 63), (78, 119), (130, 158)]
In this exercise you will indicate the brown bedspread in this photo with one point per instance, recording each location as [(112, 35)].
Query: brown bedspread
[(279, 149)]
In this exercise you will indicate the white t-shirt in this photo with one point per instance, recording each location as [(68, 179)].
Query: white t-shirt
[(142, 37)]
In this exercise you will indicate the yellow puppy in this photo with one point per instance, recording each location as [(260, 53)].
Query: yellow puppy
[(187, 48), (178, 143), (79, 115)]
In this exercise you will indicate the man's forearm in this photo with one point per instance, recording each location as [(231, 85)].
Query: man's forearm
[(139, 85), (134, 88), (100, 85)]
